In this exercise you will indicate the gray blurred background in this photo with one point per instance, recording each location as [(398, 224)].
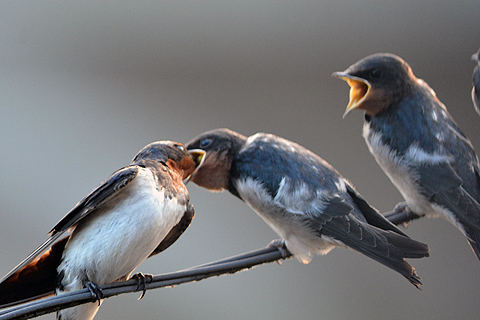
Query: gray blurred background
[(84, 85)]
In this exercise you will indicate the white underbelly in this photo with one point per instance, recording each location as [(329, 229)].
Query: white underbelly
[(401, 175), (110, 245), (301, 240)]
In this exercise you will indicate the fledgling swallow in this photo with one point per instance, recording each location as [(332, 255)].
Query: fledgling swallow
[(416, 142), (301, 197), (476, 82), (138, 212)]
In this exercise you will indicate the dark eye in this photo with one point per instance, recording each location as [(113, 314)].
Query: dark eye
[(375, 73), (205, 143)]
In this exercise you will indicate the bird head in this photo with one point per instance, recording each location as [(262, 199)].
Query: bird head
[(170, 153), (214, 151), (376, 82)]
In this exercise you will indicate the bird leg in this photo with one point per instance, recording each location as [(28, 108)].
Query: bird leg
[(281, 246), (402, 214), (97, 293), (142, 282)]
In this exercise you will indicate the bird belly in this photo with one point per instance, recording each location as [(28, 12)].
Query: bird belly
[(401, 176), (108, 246), (301, 240)]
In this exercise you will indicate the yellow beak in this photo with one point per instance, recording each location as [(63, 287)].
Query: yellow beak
[(198, 156), (359, 89)]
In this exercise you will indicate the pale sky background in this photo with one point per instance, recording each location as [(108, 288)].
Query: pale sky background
[(84, 85)]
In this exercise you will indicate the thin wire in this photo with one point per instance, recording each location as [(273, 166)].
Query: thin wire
[(224, 266)]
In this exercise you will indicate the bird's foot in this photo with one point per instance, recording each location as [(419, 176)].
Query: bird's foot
[(401, 207), (402, 214), (142, 282), (281, 246), (97, 293)]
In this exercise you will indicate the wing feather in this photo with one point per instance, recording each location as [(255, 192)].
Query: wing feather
[(117, 181)]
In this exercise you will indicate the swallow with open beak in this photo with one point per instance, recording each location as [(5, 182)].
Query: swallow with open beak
[(301, 197), (138, 212), (416, 142)]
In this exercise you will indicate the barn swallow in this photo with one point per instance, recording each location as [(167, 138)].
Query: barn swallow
[(138, 212), (301, 197), (416, 142), (476, 82)]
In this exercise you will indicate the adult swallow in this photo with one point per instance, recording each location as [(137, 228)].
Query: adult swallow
[(301, 197), (476, 82), (139, 211), (416, 142)]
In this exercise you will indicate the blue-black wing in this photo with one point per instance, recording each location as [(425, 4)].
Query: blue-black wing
[(116, 182)]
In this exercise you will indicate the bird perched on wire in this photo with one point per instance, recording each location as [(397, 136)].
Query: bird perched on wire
[(301, 197), (139, 211), (416, 142), (476, 82)]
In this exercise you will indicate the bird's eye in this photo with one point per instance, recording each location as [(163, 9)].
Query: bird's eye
[(375, 73), (180, 147), (205, 143)]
